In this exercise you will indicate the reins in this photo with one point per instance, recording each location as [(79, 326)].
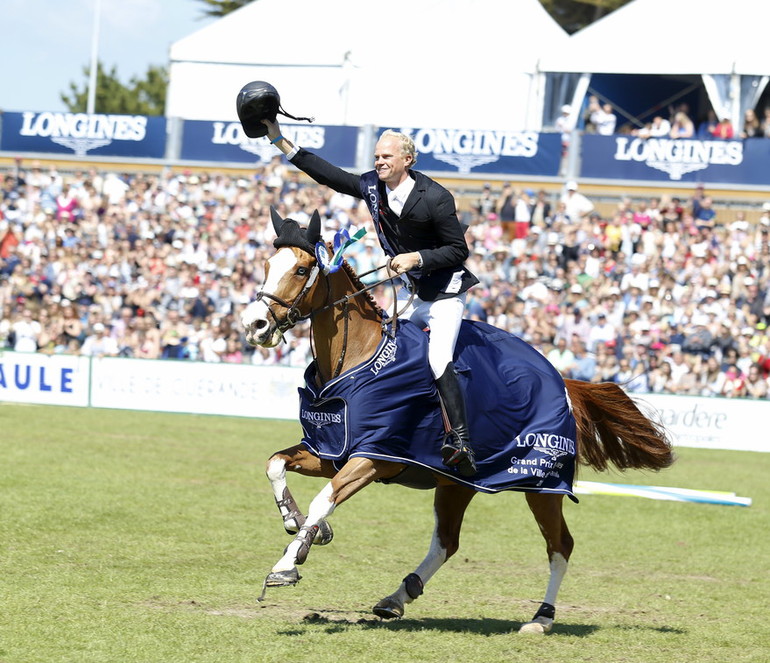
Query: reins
[(292, 317)]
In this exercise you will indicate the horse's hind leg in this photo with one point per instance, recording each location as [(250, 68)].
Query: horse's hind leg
[(450, 503), (297, 459), (547, 510)]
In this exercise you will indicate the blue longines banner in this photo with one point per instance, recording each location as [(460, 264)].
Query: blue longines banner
[(136, 136), (679, 159), (482, 151), (226, 141)]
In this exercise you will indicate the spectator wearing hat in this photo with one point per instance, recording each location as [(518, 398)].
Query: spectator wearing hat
[(576, 205), (99, 343)]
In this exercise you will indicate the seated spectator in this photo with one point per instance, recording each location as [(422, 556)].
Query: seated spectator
[(604, 119), (765, 123), (751, 125), (756, 385), (734, 385), (99, 343), (706, 128), (682, 126), (25, 332), (660, 127), (561, 357), (724, 128)]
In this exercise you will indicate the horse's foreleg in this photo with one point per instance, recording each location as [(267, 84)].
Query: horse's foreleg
[(355, 475), (296, 459), (450, 503), (547, 510)]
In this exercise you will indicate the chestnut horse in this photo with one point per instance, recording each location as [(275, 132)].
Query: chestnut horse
[(347, 329)]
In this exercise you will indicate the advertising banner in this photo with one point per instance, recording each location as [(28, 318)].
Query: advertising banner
[(135, 136), (183, 386), (271, 392), (226, 141), (710, 423), (31, 377), (676, 160), (487, 152)]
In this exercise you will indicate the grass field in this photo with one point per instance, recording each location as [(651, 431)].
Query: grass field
[(129, 536)]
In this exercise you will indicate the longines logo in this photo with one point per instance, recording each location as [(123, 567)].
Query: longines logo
[(466, 149), (231, 133), (678, 157), (82, 132)]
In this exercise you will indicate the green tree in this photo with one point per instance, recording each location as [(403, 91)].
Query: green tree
[(220, 8), (141, 96), (572, 15)]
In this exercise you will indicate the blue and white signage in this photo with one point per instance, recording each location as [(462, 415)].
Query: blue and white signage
[(44, 379), (136, 136), (676, 159), (483, 151), (227, 142)]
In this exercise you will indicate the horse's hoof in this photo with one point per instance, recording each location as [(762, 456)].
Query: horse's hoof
[(324, 535), (389, 608), (283, 578), (539, 626)]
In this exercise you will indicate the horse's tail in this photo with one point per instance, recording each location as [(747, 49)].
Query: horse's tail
[(611, 429)]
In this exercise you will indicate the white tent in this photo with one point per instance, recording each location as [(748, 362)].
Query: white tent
[(726, 45), (407, 63)]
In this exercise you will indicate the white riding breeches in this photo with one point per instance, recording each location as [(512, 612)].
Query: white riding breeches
[(443, 317)]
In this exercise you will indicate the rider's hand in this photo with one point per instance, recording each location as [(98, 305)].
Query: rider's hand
[(273, 129), (404, 262)]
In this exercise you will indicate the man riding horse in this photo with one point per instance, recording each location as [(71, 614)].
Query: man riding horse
[(417, 225)]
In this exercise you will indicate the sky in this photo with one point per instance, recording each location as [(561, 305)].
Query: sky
[(46, 44)]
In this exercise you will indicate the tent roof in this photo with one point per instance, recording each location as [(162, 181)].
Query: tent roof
[(670, 37), (430, 63)]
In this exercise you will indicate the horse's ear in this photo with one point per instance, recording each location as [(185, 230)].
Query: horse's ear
[(314, 228), (277, 220)]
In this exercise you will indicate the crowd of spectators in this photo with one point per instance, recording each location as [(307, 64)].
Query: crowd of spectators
[(677, 121), (662, 295)]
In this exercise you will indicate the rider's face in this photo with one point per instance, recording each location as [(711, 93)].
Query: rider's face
[(389, 161)]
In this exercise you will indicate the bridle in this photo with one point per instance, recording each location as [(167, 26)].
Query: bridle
[(293, 316)]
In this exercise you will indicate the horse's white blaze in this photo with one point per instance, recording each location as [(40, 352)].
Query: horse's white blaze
[(255, 316)]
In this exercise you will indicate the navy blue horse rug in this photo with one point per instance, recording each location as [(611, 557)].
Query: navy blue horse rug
[(521, 424)]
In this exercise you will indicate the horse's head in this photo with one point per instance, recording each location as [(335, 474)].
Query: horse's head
[(291, 274)]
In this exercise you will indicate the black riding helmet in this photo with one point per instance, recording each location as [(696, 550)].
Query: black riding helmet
[(259, 101)]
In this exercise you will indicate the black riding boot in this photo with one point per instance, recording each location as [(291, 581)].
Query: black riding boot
[(456, 451)]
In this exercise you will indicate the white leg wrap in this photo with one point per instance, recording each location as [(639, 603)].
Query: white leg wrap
[(558, 570), (427, 569), (276, 473), (321, 507)]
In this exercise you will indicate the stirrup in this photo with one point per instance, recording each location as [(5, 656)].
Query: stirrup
[(456, 454)]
